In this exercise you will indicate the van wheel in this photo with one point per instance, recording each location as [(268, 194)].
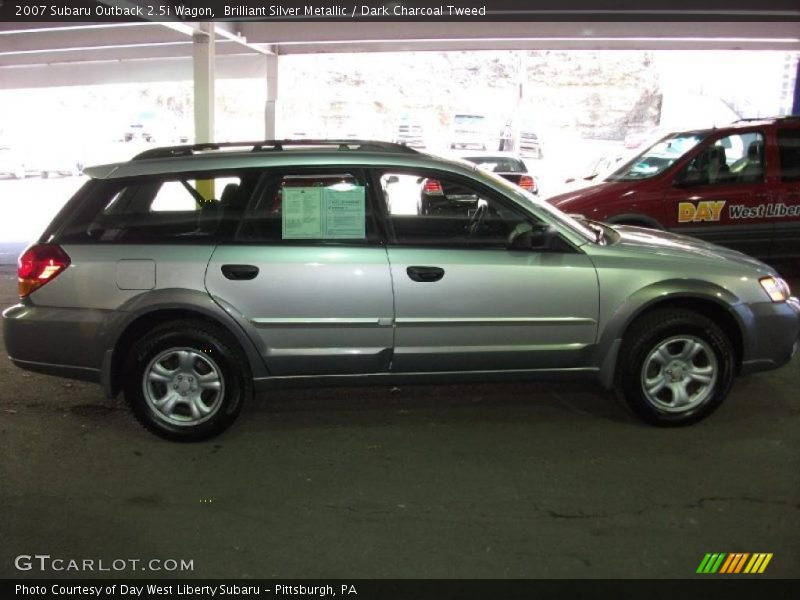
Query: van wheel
[(675, 367), (186, 381)]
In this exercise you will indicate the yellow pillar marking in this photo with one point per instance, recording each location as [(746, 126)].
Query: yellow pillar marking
[(205, 188)]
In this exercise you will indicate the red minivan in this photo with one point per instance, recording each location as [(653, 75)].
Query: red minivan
[(738, 186)]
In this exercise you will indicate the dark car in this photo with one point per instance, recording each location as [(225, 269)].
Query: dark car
[(438, 199), (738, 186), (508, 166)]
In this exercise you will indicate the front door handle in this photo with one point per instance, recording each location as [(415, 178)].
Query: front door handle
[(240, 272), (425, 274)]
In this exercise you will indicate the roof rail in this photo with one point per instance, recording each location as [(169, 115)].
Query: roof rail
[(273, 146)]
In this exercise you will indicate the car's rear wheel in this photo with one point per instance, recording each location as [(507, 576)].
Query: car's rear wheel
[(186, 380), (676, 367)]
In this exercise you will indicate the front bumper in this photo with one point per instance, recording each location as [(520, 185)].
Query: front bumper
[(775, 335)]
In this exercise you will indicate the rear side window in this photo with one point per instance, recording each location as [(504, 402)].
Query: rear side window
[(302, 206), (165, 210), (789, 150)]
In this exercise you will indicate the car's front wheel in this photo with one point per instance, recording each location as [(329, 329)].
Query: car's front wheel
[(676, 367), (186, 381)]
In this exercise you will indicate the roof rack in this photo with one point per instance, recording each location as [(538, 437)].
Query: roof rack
[(274, 146)]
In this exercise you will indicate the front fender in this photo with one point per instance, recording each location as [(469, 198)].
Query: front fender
[(663, 293)]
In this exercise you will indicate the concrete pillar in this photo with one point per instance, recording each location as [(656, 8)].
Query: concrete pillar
[(203, 60), (203, 54), (272, 96)]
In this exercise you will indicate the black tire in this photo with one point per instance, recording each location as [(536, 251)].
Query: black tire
[(424, 207), (219, 350), (716, 355)]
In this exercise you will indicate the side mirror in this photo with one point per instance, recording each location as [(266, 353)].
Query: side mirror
[(543, 237), (532, 237), (392, 179)]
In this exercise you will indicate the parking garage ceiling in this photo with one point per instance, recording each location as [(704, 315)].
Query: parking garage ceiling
[(53, 53)]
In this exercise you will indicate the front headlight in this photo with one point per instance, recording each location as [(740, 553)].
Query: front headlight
[(777, 289)]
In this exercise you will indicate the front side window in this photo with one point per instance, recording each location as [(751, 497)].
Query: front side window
[(321, 206), (425, 208), (736, 158), (789, 152)]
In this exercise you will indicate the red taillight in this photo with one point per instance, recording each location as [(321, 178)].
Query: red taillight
[(38, 265), (526, 183), (433, 187)]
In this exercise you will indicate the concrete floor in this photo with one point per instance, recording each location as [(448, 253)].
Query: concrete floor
[(523, 480)]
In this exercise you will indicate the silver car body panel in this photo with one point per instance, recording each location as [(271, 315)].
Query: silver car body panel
[(316, 309), (493, 309)]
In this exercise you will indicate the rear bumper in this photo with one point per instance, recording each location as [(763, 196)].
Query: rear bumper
[(68, 371), (57, 341), (776, 336)]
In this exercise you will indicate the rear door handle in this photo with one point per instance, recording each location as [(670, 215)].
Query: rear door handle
[(240, 272), (425, 274)]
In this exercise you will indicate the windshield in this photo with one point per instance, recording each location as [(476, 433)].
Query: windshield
[(658, 157), (514, 190)]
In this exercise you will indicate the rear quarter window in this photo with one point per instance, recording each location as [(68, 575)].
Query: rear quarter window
[(177, 209)]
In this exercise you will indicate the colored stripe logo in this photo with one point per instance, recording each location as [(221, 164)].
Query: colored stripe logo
[(734, 563)]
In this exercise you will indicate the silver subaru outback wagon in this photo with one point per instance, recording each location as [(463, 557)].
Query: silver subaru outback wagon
[(191, 276)]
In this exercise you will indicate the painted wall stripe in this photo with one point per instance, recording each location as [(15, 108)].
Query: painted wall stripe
[(727, 564), (734, 562), (754, 560), (718, 562), (740, 564), (704, 562), (765, 563), (756, 566)]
